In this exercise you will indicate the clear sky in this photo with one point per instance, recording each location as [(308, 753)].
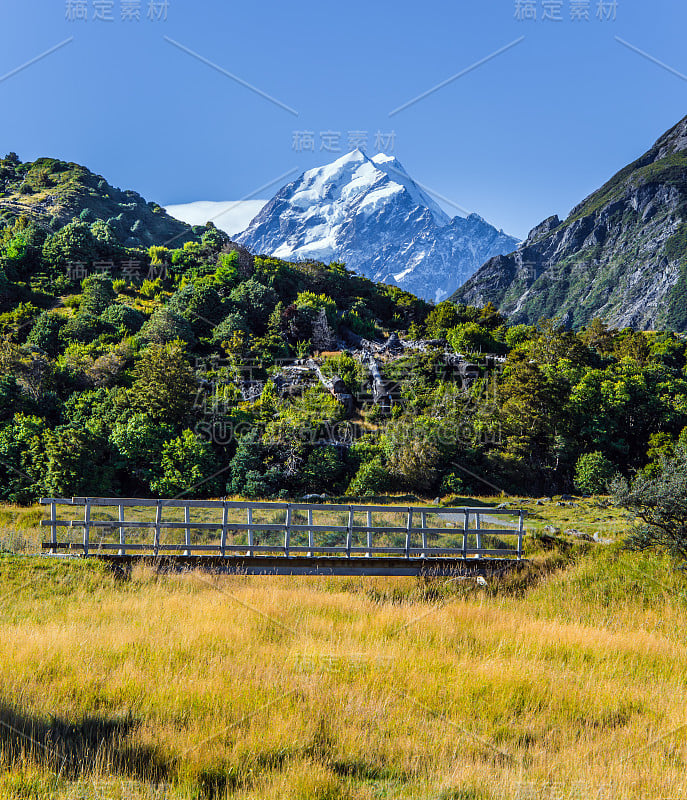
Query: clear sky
[(527, 133)]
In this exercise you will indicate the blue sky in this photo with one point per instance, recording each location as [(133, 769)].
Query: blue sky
[(528, 133)]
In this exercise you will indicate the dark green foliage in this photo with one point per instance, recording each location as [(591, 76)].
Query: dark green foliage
[(82, 327), (164, 327), (97, 294), (233, 323), (73, 464), (247, 468), (200, 305), (73, 244), (45, 333), (256, 301), (164, 386), (124, 319), (323, 467), (676, 313)]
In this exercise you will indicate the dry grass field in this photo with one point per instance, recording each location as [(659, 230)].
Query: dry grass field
[(566, 679)]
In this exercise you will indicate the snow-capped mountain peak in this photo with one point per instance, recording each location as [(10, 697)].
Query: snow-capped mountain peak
[(370, 214)]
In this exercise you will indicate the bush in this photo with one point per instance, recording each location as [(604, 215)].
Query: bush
[(371, 479), (659, 505), (593, 473), (125, 319)]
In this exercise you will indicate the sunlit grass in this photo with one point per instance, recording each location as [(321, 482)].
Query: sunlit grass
[(565, 679)]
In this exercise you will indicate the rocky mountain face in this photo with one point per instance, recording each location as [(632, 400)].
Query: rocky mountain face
[(620, 255), (369, 214), (53, 192)]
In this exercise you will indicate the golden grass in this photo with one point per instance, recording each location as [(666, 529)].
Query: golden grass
[(565, 681)]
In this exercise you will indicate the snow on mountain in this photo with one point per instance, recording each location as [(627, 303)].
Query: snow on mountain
[(229, 216), (371, 215)]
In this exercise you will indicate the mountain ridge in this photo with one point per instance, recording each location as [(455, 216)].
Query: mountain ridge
[(52, 192), (371, 215), (621, 254)]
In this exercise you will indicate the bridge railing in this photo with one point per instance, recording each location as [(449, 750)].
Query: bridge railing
[(144, 527)]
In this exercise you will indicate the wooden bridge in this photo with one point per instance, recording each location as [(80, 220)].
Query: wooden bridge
[(287, 538)]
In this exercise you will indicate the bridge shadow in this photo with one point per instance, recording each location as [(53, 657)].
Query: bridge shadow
[(76, 749)]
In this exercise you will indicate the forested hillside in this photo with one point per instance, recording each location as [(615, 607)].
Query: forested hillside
[(198, 369)]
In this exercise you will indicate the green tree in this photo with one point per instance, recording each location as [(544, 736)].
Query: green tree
[(22, 458), (45, 332), (256, 301), (74, 464), (164, 327), (74, 243), (472, 338), (188, 466), (140, 442), (97, 294), (124, 319), (164, 384), (372, 478), (441, 319)]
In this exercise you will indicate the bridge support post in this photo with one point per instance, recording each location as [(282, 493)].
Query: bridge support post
[(250, 531)]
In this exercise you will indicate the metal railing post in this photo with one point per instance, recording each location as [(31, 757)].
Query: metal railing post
[(349, 532), (158, 520), (478, 535), (250, 531), (287, 530), (187, 530), (122, 532), (369, 535), (424, 534), (53, 528), (311, 538), (225, 520), (466, 529), (408, 527), (521, 533), (86, 526)]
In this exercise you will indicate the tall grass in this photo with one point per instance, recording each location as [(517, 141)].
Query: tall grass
[(566, 679)]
